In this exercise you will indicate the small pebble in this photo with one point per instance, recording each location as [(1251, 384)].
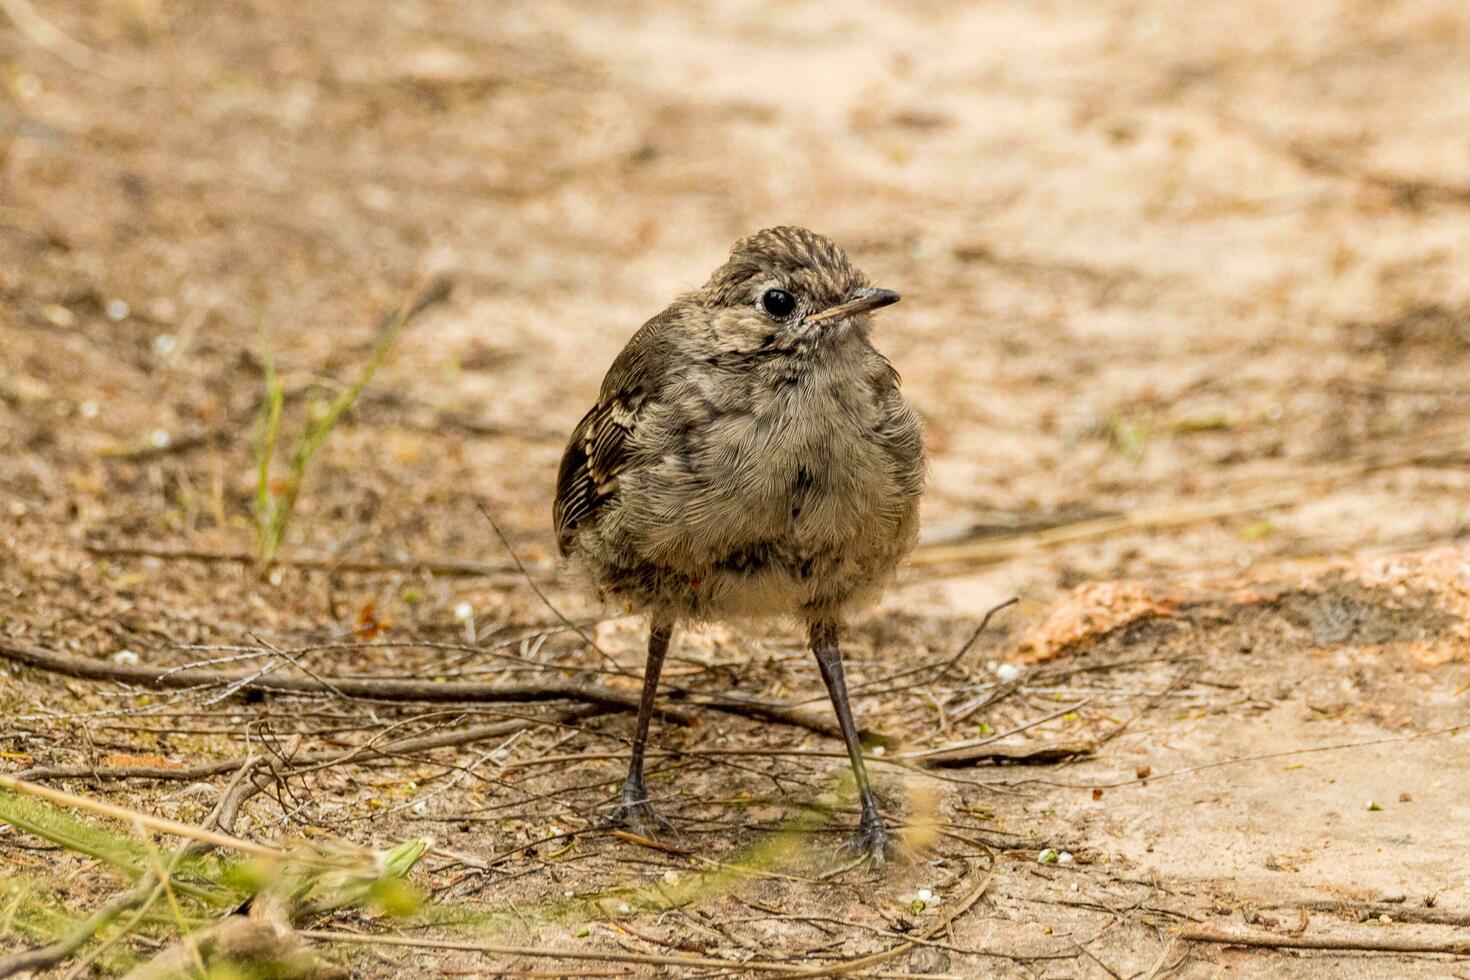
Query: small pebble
[(88, 409), (126, 657), (165, 344), (160, 438), (117, 309), (1007, 672)]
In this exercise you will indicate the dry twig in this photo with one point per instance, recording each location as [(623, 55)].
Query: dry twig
[(1384, 944), (381, 689), (444, 567)]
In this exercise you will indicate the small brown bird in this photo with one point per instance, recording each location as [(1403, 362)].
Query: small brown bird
[(749, 455)]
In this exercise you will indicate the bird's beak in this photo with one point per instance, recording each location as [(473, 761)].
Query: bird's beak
[(864, 301)]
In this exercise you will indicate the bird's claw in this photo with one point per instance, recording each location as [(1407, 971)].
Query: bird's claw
[(639, 816), (871, 843)]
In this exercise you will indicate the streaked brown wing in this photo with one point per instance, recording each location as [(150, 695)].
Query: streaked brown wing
[(588, 477), (599, 448)]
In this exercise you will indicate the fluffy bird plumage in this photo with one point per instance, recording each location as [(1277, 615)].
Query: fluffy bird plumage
[(749, 454), (736, 464)]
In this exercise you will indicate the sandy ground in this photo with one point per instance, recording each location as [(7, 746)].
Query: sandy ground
[(1200, 266)]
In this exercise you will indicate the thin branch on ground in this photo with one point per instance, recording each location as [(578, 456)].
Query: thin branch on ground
[(445, 568), (312, 761), (380, 689), (1364, 911), (1375, 944)]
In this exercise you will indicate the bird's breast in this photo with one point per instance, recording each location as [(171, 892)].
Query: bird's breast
[(792, 460)]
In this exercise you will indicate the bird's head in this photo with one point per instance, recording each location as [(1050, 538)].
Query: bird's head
[(789, 288)]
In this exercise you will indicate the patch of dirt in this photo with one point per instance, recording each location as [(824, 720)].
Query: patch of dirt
[(1184, 311)]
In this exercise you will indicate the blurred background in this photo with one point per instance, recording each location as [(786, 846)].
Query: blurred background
[(1186, 299)]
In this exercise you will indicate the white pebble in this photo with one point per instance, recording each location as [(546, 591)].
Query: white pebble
[(1065, 857), (1007, 672), (160, 438), (126, 657), (117, 309), (89, 409), (420, 807), (624, 909), (877, 750), (165, 344), (925, 895)]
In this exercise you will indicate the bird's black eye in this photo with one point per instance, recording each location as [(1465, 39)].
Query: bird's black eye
[(778, 302)]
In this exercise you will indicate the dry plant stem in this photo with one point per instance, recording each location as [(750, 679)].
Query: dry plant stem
[(1372, 910), (384, 689), (276, 508), (143, 892), (354, 687), (161, 825), (319, 760), (940, 668), (958, 752), (783, 714), (551, 952), (1266, 940), (47, 35), (649, 842), (46, 957), (445, 568), (688, 962)]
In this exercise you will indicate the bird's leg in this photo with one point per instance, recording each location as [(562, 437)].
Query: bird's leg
[(635, 812), (872, 837)]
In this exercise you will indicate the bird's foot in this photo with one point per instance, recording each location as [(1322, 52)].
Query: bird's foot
[(871, 843), (638, 815)]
